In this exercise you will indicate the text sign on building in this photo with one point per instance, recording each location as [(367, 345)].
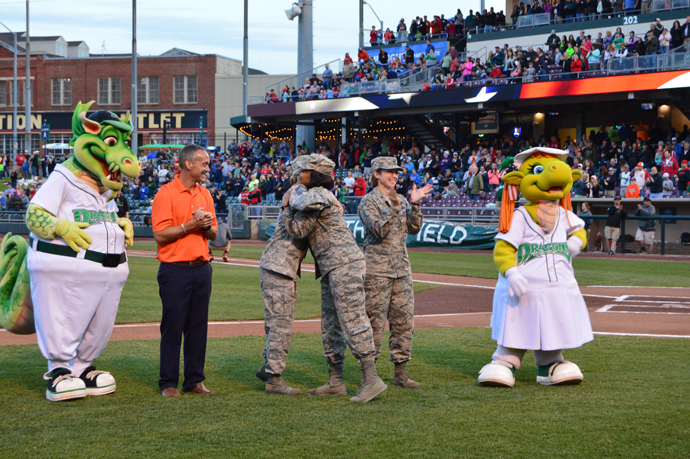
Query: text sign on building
[(153, 120)]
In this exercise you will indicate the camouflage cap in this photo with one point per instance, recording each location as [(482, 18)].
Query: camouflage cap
[(319, 163), (385, 162), (298, 164)]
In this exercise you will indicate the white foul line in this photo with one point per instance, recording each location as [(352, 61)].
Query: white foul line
[(642, 335)]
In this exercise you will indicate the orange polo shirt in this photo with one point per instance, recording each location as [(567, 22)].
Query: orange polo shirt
[(174, 205)]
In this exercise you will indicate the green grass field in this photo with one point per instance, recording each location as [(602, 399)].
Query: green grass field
[(588, 271), (634, 402), (236, 294)]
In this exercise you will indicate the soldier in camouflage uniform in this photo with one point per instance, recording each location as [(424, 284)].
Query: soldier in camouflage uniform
[(387, 219), (341, 263), (279, 268)]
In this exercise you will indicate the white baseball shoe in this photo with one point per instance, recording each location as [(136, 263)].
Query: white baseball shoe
[(559, 374), (62, 386), (497, 374), (98, 382)]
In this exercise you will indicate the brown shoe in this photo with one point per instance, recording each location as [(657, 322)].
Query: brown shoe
[(171, 392), (200, 389)]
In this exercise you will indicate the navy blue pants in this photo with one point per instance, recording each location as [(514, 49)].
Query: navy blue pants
[(185, 292)]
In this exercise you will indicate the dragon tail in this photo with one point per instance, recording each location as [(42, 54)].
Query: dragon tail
[(16, 307)]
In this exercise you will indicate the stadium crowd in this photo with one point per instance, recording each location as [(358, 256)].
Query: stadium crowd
[(633, 161), (562, 57)]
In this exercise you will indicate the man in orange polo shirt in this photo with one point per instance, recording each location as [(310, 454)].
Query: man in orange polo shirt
[(183, 221)]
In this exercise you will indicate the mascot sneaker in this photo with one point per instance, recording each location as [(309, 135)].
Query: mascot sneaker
[(497, 374), (62, 385), (98, 382), (559, 374)]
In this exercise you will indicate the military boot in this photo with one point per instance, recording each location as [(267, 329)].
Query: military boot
[(262, 374), (276, 385), (371, 383), (335, 384), (402, 379)]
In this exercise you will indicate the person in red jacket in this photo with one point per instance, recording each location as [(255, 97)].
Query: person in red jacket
[(362, 56), (669, 165), (244, 196), (360, 186), (496, 72), (576, 64)]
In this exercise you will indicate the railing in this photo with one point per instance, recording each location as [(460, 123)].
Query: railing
[(665, 5), (676, 59), (297, 81), (402, 38), (533, 20)]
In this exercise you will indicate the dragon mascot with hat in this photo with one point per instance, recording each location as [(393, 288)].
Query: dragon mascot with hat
[(66, 283), (537, 303)]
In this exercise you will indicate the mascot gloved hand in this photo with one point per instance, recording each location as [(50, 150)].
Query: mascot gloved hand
[(75, 263), (537, 303)]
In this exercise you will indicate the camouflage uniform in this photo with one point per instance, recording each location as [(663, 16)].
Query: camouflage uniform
[(341, 263), (279, 268), (388, 281)]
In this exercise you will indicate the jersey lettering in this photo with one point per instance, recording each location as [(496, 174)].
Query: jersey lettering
[(529, 252), (94, 216)]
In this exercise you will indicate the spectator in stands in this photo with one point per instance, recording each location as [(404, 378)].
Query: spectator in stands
[(683, 178), (475, 182), (655, 184), (349, 182), (667, 185), (669, 164), (676, 35), (593, 188), (665, 41), (624, 178), (360, 186), (609, 183), (645, 230)]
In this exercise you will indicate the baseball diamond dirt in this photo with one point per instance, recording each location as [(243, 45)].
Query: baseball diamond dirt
[(466, 302)]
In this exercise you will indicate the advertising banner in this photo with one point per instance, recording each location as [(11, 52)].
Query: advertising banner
[(434, 234), (418, 47)]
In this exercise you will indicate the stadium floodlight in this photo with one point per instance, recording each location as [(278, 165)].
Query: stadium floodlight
[(295, 11)]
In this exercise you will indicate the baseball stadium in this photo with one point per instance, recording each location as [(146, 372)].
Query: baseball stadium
[(449, 230)]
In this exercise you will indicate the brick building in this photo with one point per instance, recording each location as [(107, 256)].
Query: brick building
[(177, 89)]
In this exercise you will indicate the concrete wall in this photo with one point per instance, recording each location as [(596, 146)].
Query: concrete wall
[(229, 99)]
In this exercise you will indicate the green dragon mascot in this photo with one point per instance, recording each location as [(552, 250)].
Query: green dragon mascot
[(66, 283)]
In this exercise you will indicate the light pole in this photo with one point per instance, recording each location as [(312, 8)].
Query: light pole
[(14, 100), (134, 143), (377, 17), (27, 87), (245, 65)]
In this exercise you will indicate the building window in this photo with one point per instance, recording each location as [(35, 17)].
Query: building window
[(109, 91), (83, 52), (147, 90), (185, 89), (3, 92), (62, 91), (61, 50)]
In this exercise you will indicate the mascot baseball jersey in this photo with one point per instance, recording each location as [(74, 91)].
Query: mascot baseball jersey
[(65, 196), (76, 300)]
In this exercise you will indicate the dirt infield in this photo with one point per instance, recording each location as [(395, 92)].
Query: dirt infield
[(466, 302)]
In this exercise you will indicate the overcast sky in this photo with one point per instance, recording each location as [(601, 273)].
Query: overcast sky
[(215, 26)]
